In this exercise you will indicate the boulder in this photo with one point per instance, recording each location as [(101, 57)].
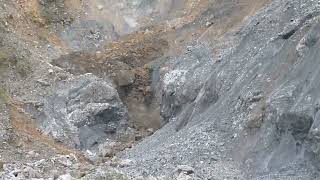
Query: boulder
[(82, 111)]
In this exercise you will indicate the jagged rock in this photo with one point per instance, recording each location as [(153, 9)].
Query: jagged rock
[(82, 112), (125, 77)]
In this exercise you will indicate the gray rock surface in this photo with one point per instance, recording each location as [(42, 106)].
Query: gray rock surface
[(88, 35), (5, 126), (81, 112), (253, 114)]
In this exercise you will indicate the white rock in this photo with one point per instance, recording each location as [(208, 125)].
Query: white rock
[(125, 162), (100, 7), (151, 130), (208, 24), (65, 177), (185, 169), (50, 71), (184, 177)]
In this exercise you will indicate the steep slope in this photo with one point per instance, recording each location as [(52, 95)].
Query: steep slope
[(251, 114)]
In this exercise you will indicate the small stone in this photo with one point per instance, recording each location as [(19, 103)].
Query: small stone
[(43, 82), (31, 153), (65, 177), (138, 137), (148, 89), (208, 24), (125, 163), (91, 156), (184, 177), (100, 7), (39, 163), (99, 55), (50, 71), (66, 160), (185, 169), (125, 77), (151, 130)]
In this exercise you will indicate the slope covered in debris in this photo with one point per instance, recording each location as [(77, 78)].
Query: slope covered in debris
[(165, 89)]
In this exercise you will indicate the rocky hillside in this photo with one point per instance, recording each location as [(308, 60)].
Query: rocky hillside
[(159, 89)]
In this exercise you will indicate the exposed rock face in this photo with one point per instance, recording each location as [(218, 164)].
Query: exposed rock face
[(82, 112), (253, 112), (241, 101), (183, 83)]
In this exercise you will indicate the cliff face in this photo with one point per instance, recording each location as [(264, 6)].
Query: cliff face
[(206, 89)]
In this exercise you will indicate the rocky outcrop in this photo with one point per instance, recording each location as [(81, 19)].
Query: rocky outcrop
[(241, 101), (81, 112), (253, 111)]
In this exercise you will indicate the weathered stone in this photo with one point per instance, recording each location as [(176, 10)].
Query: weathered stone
[(43, 82), (125, 77), (185, 169), (125, 162), (82, 112), (65, 177)]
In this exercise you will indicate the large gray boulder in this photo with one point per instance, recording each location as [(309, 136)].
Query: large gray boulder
[(82, 111)]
